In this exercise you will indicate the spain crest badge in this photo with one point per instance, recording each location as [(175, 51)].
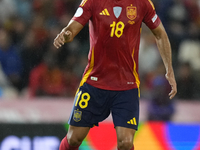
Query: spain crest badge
[(77, 115), (131, 12)]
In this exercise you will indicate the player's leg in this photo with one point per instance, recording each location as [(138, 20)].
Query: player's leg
[(125, 113), (74, 138), (125, 138), (90, 107)]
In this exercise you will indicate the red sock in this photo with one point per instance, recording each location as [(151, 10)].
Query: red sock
[(130, 149), (64, 145)]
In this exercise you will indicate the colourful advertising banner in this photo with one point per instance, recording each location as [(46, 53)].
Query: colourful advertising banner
[(150, 136)]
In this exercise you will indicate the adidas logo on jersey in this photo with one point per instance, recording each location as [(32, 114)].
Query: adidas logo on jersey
[(132, 121), (105, 12)]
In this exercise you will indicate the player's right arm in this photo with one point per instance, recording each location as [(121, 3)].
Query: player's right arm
[(80, 18), (68, 33)]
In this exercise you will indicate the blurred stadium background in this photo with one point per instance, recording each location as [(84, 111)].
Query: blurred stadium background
[(38, 82)]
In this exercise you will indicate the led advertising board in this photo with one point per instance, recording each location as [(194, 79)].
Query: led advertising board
[(151, 136)]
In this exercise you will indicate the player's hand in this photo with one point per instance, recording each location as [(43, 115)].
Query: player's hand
[(62, 38), (171, 79)]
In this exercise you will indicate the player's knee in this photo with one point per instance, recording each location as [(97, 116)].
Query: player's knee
[(74, 141), (125, 144)]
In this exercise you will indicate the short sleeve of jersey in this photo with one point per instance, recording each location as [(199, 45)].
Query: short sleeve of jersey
[(84, 12), (151, 19)]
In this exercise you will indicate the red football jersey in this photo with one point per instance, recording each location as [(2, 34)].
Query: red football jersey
[(115, 28)]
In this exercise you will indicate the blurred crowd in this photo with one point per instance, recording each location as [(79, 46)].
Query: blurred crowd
[(31, 66)]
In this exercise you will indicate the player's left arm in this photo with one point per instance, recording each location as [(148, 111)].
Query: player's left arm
[(164, 47)]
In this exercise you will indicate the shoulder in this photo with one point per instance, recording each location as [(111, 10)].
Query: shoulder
[(90, 2), (149, 3), (93, 2), (146, 3)]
